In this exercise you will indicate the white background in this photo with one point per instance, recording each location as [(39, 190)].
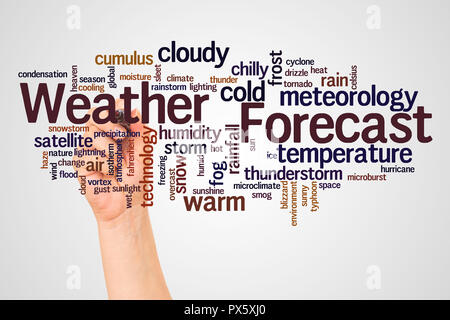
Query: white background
[(401, 226)]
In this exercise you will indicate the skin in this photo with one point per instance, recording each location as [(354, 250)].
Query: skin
[(130, 259)]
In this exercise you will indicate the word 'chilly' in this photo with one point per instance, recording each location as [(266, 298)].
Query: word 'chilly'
[(175, 105)]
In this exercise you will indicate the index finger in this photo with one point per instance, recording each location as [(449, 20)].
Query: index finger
[(108, 126)]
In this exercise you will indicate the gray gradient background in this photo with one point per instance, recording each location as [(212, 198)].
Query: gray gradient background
[(401, 226)]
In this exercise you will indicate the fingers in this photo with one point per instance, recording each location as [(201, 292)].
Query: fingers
[(102, 143), (137, 126), (96, 164), (115, 148), (109, 126)]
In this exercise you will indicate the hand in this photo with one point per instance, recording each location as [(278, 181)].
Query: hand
[(129, 255), (109, 205)]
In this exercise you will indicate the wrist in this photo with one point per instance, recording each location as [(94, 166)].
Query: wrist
[(130, 219)]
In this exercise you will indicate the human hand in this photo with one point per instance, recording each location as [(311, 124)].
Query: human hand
[(102, 178)]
